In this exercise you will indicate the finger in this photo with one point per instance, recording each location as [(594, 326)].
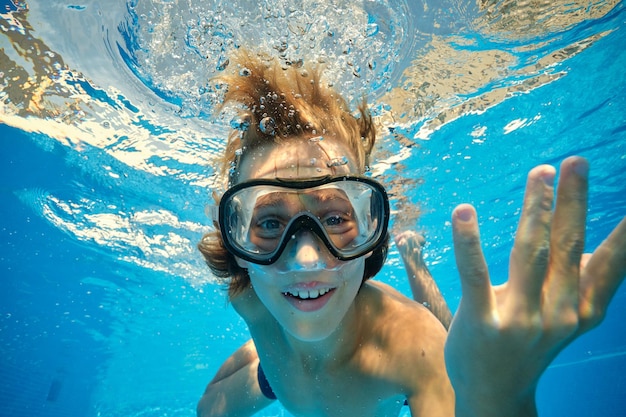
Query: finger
[(567, 236), (530, 254), (601, 277), (477, 293)]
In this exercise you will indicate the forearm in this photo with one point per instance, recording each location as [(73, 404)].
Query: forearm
[(423, 286), (425, 291)]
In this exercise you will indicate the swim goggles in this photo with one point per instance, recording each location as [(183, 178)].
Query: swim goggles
[(258, 218)]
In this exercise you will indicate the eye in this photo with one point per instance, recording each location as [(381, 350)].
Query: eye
[(268, 228), (334, 220), (341, 227), (269, 224), (337, 222)]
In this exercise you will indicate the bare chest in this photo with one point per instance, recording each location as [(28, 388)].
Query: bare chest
[(306, 390)]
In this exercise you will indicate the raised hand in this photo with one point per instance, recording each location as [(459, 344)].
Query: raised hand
[(502, 338)]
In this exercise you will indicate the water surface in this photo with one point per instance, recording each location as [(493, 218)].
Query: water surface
[(109, 141)]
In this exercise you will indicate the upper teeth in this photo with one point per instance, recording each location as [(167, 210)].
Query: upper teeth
[(308, 293)]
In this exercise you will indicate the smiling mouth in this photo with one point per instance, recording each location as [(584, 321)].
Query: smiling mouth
[(308, 294)]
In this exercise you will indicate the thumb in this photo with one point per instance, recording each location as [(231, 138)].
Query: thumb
[(477, 292)]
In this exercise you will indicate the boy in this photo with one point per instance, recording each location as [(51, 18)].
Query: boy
[(301, 231)]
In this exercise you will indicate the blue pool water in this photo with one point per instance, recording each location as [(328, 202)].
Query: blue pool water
[(108, 145)]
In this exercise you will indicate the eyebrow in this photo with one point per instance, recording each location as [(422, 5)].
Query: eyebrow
[(329, 194), (270, 200), (276, 199)]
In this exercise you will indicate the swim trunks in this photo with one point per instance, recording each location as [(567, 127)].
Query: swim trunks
[(264, 384)]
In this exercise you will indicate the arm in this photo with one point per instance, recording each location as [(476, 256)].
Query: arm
[(234, 391), (503, 338), (423, 286), (434, 397)]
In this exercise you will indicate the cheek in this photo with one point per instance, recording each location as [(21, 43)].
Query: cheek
[(265, 283), (263, 287), (258, 276), (352, 272)]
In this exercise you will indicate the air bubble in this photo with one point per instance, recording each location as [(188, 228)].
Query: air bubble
[(245, 72), (268, 126), (336, 162), (316, 139)]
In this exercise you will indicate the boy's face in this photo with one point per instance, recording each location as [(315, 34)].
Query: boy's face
[(307, 289)]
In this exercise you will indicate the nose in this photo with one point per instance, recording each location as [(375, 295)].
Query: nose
[(306, 252)]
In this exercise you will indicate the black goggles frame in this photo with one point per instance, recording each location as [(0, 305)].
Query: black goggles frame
[(304, 221)]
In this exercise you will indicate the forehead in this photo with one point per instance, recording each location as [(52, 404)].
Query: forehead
[(298, 197), (298, 158)]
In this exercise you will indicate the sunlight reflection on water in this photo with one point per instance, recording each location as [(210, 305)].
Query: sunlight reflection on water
[(467, 96)]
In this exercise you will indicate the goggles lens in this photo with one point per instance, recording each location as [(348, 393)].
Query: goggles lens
[(257, 218)]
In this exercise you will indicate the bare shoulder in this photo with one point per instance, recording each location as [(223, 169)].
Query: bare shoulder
[(395, 310), (410, 336), (389, 303)]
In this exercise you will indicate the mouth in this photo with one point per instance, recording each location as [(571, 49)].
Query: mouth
[(308, 294), (309, 300)]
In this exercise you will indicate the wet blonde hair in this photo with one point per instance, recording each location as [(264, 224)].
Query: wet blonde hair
[(275, 105)]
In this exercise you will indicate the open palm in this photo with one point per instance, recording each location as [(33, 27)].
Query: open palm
[(503, 337)]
